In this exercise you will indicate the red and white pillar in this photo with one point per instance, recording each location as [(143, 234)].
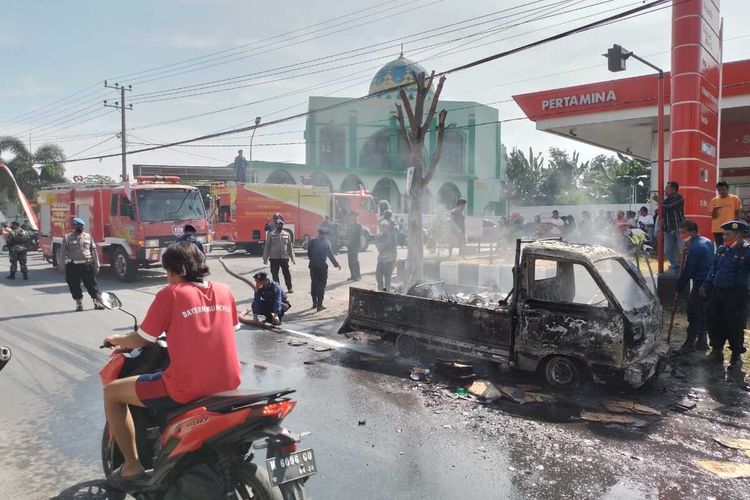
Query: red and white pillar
[(694, 110)]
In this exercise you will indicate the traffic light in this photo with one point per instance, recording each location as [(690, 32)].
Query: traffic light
[(616, 57)]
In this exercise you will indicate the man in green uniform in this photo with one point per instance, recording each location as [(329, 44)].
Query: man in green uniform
[(17, 239)]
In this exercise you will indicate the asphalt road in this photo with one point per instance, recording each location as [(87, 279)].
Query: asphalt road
[(418, 441)]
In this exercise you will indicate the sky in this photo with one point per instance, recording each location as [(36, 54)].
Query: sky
[(56, 56)]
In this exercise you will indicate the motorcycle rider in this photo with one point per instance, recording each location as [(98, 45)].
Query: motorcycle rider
[(199, 319), (17, 239)]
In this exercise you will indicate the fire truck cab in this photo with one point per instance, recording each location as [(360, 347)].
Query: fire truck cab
[(131, 223)]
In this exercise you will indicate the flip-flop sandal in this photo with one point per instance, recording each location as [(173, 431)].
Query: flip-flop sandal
[(127, 483)]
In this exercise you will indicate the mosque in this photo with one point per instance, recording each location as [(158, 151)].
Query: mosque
[(356, 143)]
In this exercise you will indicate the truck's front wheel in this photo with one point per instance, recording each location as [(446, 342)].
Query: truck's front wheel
[(561, 371), (124, 267)]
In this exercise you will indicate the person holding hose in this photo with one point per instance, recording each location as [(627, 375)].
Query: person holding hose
[(698, 259)]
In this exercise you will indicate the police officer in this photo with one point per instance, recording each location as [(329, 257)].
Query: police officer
[(698, 259), (188, 234), (726, 287), (81, 263), (17, 239), (318, 250), (270, 300)]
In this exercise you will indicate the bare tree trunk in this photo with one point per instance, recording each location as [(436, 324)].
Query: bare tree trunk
[(414, 136), (415, 243)]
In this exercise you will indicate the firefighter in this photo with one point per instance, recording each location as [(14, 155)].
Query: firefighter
[(17, 239), (726, 287), (318, 250), (698, 259), (270, 301), (81, 263)]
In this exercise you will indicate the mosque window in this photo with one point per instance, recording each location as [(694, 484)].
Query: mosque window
[(453, 160), (333, 146)]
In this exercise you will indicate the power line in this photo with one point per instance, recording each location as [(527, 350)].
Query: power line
[(205, 56), (348, 28), (353, 53), (285, 94), (586, 27)]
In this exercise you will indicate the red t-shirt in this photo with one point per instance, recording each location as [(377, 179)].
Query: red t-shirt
[(199, 320)]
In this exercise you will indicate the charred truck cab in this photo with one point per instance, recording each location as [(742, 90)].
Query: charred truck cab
[(574, 311)]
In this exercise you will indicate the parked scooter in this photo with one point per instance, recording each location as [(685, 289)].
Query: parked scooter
[(207, 449)]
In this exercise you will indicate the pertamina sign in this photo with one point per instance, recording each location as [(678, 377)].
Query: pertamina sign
[(574, 100)]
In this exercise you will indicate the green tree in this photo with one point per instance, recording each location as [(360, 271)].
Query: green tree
[(49, 157), (610, 179)]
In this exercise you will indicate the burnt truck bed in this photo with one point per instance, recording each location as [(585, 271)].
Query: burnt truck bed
[(440, 325)]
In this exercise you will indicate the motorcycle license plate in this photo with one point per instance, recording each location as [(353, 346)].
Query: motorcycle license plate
[(285, 468)]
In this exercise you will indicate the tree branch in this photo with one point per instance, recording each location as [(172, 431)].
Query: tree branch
[(419, 104), (409, 113), (434, 103), (402, 126), (438, 149)]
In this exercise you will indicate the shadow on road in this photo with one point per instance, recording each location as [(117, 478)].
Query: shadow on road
[(97, 489), (37, 315)]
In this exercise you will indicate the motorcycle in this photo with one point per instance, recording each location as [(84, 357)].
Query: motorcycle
[(207, 449)]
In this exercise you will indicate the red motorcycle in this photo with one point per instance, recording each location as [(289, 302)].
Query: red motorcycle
[(207, 449)]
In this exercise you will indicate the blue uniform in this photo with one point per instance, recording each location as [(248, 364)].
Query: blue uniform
[(727, 283), (698, 261), (193, 240), (318, 251), (269, 300)]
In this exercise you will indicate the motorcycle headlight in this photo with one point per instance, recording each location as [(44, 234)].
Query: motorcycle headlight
[(151, 243)]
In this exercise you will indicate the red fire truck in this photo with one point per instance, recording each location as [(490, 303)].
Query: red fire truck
[(242, 211), (132, 223)]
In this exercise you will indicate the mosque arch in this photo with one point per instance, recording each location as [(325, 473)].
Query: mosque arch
[(280, 176)]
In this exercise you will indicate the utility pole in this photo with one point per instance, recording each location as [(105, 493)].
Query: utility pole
[(122, 107)]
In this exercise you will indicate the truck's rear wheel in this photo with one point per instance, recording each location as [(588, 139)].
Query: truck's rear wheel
[(124, 267), (561, 371), (406, 346)]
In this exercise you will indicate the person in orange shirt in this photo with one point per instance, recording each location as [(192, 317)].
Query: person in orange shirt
[(724, 208)]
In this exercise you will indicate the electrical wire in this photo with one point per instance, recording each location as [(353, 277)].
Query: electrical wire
[(471, 64)]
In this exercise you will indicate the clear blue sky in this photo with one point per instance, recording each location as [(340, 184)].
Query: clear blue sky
[(51, 49)]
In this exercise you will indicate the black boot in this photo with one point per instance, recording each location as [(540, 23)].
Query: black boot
[(25, 276), (11, 276), (735, 361), (715, 356), (687, 347)]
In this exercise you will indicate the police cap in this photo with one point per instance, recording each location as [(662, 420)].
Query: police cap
[(324, 230), (260, 276), (79, 221), (734, 225)]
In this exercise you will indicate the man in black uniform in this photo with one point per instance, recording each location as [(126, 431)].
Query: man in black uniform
[(353, 245), (270, 301), (318, 250), (17, 239), (726, 287)]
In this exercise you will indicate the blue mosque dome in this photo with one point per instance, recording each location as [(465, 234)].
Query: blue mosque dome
[(395, 73)]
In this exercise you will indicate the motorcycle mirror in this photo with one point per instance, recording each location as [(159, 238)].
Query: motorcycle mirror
[(5, 356), (110, 300)]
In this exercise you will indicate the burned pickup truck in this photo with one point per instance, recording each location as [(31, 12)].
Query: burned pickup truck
[(573, 311)]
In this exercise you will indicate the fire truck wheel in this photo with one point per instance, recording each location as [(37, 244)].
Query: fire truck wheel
[(124, 268)]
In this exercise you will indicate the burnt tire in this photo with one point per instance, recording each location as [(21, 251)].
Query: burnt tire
[(406, 346), (124, 268), (562, 372), (253, 483)]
